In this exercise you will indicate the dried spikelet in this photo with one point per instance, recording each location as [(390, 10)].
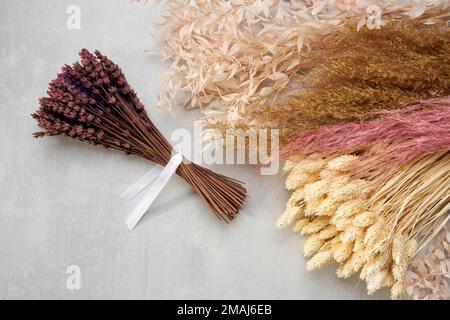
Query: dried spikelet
[(346, 193), (319, 260), (411, 248), (350, 234), (364, 274), (351, 265), (296, 180), (338, 181), (311, 207), (343, 271), (311, 166), (397, 125), (359, 245), (398, 290), (388, 280), (376, 281), (343, 251), (326, 174), (300, 224), (298, 177), (341, 223), (326, 207), (297, 196), (335, 242), (328, 232), (385, 144), (399, 271), (399, 253), (357, 262), (374, 231), (315, 190), (383, 238), (364, 219), (330, 244), (350, 208), (342, 163), (390, 225), (289, 216), (312, 245), (374, 265), (288, 166), (316, 225)]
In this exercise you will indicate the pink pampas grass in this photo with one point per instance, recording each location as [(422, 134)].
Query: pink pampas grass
[(398, 137)]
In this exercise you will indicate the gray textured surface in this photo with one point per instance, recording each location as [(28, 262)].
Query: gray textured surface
[(59, 200)]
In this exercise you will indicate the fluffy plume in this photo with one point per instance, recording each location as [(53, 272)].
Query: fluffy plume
[(355, 78), (398, 137), (226, 55)]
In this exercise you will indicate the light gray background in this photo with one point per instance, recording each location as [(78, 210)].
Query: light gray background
[(59, 202)]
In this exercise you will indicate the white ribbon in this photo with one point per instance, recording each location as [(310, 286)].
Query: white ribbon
[(157, 178)]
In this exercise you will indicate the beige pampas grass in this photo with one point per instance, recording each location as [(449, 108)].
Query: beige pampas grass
[(372, 231)]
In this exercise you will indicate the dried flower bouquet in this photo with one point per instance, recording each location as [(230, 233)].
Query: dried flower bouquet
[(92, 102), (370, 196), (227, 55), (355, 78)]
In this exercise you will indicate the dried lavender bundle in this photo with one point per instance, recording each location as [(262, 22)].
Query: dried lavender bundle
[(357, 76), (92, 101), (398, 137)]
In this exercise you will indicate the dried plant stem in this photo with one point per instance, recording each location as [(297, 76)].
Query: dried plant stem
[(354, 78), (93, 102), (417, 199)]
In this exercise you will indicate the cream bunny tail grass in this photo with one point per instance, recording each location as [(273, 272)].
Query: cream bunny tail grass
[(373, 232)]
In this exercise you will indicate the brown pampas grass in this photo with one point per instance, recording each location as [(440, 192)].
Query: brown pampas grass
[(373, 233), (357, 76)]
